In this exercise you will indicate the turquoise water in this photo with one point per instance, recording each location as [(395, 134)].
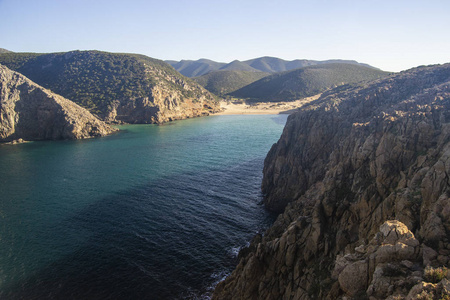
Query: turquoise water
[(152, 212)]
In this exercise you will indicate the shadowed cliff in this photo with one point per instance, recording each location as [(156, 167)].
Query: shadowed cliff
[(361, 179)]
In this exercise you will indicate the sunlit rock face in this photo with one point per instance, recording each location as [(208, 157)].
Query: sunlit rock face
[(30, 112)]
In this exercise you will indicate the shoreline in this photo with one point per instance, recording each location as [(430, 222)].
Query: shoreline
[(263, 108)]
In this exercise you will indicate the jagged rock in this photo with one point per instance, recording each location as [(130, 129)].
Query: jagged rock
[(30, 112), (429, 255), (358, 158)]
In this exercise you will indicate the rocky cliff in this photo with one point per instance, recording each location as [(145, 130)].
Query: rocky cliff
[(30, 112), (117, 87), (361, 178), (170, 97)]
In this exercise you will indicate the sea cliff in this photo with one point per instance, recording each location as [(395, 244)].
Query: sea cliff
[(30, 112), (360, 177)]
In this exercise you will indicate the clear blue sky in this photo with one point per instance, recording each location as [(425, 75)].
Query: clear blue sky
[(390, 34)]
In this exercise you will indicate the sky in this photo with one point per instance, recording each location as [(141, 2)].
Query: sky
[(392, 35)]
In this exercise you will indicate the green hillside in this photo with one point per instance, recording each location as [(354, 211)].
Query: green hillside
[(306, 81), (192, 68), (237, 65), (224, 82), (4, 50), (95, 79)]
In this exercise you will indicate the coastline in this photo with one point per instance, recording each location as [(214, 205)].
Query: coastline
[(263, 108)]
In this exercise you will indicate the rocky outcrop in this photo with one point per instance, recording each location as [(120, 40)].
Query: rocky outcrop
[(30, 112), (361, 179)]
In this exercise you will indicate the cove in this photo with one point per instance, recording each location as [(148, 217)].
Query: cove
[(152, 212)]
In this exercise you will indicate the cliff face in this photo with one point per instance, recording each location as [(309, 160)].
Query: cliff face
[(30, 112), (117, 87), (170, 97), (362, 177)]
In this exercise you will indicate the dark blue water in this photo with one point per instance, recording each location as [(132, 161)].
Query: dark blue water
[(153, 212)]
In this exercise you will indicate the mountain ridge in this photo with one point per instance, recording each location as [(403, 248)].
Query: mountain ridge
[(306, 81), (195, 68)]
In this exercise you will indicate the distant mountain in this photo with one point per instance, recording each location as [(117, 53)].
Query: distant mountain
[(237, 65), (306, 81), (224, 82), (191, 68), (4, 50), (273, 64), (118, 87)]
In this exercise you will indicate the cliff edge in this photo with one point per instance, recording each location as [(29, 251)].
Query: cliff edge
[(361, 179), (30, 112)]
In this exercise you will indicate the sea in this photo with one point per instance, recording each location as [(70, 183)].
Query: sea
[(151, 212)]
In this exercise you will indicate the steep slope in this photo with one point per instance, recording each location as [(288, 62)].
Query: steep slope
[(267, 64), (118, 87), (224, 82), (362, 177), (30, 112), (2, 50), (305, 82)]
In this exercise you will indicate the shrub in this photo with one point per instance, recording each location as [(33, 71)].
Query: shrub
[(434, 275)]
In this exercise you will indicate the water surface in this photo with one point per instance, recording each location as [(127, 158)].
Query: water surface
[(153, 212)]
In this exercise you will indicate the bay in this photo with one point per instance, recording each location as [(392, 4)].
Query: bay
[(152, 212)]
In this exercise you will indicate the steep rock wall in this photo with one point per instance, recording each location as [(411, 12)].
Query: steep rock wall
[(344, 165)]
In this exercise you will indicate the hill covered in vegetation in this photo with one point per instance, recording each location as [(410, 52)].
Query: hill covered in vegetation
[(224, 82), (306, 81), (195, 68), (118, 87), (267, 64)]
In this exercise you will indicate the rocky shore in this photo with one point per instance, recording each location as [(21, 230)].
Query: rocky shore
[(360, 177), (30, 112)]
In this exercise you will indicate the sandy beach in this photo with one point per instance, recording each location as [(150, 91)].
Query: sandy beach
[(263, 108)]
